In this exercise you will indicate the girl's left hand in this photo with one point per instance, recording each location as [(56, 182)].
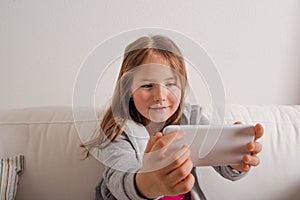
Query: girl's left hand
[(254, 148)]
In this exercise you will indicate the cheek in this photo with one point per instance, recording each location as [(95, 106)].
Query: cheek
[(140, 97), (175, 95)]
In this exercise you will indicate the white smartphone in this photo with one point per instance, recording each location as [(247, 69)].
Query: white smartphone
[(213, 145)]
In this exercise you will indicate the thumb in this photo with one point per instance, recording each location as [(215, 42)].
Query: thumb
[(152, 140)]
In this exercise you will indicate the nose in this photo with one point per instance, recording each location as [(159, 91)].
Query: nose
[(160, 93)]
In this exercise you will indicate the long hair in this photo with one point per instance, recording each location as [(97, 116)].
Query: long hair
[(122, 106)]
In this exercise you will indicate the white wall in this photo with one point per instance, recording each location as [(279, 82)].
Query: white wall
[(255, 44)]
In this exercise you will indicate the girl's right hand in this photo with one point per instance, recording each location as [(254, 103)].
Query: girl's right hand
[(154, 179)]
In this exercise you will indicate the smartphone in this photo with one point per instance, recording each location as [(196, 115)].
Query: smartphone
[(214, 145)]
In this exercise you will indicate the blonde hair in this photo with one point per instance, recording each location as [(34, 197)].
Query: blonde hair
[(122, 107)]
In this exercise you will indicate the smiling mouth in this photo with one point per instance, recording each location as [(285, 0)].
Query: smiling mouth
[(160, 108)]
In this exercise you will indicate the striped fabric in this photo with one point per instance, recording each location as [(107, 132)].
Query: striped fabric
[(10, 169)]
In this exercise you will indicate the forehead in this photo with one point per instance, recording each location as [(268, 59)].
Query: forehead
[(153, 72)]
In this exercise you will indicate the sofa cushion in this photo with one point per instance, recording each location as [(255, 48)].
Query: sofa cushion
[(55, 165)]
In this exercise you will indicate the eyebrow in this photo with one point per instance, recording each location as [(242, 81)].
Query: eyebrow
[(166, 79)]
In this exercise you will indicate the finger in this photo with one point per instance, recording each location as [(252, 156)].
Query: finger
[(181, 172), (177, 159), (152, 140), (259, 131), (251, 160), (185, 185), (254, 147), (158, 155), (245, 167), (167, 139)]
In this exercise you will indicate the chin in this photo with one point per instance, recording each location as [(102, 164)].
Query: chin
[(158, 119)]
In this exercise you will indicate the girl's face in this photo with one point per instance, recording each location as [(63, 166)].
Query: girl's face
[(156, 89)]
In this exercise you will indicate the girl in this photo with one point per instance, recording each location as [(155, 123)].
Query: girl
[(149, 95)]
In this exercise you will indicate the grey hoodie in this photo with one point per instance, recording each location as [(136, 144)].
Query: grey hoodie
[(123, 158)]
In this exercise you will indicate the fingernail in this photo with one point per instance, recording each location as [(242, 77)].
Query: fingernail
[(252, 147), (248, 160)]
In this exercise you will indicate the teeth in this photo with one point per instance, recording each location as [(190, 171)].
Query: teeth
[(157, 107)]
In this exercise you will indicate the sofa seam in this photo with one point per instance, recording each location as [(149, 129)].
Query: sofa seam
[(55, 122)]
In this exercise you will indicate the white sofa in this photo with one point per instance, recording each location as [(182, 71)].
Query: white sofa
[(54, 168)]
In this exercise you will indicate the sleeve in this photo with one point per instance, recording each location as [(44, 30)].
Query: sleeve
[(197, 117), (121, 163), (121, 184), (229, 173)]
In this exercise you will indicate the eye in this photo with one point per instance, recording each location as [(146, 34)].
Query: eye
[(147, 86), (170, 84)]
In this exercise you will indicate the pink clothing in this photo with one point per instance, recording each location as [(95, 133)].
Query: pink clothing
[(179, 197)]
